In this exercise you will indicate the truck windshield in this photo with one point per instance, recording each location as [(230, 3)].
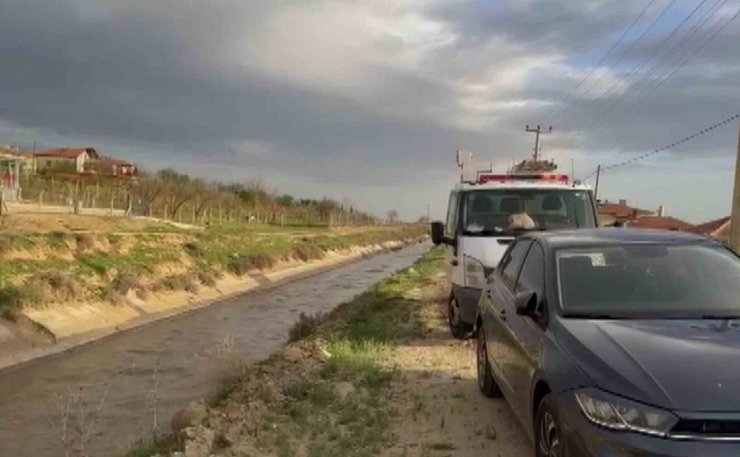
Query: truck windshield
[(507, 211)]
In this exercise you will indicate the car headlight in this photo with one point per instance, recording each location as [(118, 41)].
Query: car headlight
[(618, 413), (475, 274)]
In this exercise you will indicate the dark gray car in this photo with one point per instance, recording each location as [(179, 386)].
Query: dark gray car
[(614, 342)]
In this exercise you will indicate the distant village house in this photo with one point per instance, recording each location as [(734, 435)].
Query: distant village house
[(83, 161), (72, 160)]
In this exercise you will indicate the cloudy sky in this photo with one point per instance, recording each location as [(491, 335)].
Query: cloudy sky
[(368, 100)]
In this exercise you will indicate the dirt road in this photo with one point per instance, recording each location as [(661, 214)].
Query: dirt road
[(441, 411)]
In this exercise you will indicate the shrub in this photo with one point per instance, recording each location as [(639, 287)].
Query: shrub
[(6, 244), (241, 264), (14, 298), (57, 240), (85, 242), (180, 282), (124, 282), (207, 277), (307, 252), (263, 261), (193, 249), (305, 327), (61, 283), (11, 301)]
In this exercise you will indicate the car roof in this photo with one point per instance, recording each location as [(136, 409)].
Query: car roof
[(602, 236)]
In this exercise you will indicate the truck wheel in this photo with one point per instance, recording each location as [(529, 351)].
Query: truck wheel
[(486, 383), (458, 328)]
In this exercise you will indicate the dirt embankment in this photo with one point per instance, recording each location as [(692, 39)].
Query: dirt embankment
[(379, 376), (90, 276)]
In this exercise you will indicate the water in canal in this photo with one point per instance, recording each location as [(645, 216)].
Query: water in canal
[(124, 382)]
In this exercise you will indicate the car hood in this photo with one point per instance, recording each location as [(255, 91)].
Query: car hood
[(689, 365), (486, 249)]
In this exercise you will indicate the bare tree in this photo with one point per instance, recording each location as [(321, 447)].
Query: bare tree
[(392, 216)]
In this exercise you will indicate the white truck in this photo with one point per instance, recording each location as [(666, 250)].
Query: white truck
[(485, 214)]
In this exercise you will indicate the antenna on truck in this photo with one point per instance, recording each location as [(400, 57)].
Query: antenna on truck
[(537, 131)]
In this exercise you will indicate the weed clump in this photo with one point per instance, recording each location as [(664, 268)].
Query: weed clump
[(184, 282), (6, 245), (61, 284), (57, 240), (305, 327), (41, 289), (208, 277), (240, 265), (11, 301), (306, 252), (85, 242), (124, 282), (193, 249)]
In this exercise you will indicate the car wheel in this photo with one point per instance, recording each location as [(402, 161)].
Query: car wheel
[(458, 328), (548, 440), (486, 383)]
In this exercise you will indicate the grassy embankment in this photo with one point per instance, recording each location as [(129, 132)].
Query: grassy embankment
[(65, 258), (328, 393)]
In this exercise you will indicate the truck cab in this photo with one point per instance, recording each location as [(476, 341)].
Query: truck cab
[(484, 216)]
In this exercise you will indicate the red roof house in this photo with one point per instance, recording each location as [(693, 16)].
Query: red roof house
[(718, 229), (661, 223)]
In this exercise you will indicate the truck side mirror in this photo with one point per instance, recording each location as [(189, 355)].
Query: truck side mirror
[(438, 230)]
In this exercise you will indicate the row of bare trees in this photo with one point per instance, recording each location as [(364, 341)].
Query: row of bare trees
[(176, 196)]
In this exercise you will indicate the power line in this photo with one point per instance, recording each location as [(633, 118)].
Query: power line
[(643, 83), (684, 62), (658, 50), (627, 51), (667, 147), (568, 95)]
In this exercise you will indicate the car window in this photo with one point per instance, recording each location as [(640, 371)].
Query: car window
[(532, 276), (513, 261), (667, 281), (451, 225)]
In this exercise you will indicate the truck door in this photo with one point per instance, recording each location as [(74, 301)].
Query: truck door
[(453, 264)]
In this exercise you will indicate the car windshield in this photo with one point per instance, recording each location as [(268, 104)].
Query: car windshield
[(649, 280), (503, 211)]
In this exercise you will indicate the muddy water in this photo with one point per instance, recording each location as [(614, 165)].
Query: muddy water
[(116, 389)]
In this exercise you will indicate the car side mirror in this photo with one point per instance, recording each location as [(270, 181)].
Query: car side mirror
[(526, 303), (438, 230)]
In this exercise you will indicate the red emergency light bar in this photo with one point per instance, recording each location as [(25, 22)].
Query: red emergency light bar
[(484, 178)]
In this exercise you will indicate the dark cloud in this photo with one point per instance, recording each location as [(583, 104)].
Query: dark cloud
[(258, 85)]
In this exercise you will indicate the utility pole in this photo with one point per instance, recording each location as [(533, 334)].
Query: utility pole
[(537, 131), (735, 218), (596, 189)]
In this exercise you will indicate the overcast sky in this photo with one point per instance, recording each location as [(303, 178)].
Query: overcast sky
[(369, 100)]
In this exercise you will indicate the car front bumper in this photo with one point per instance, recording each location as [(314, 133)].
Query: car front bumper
[(584, 439)]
